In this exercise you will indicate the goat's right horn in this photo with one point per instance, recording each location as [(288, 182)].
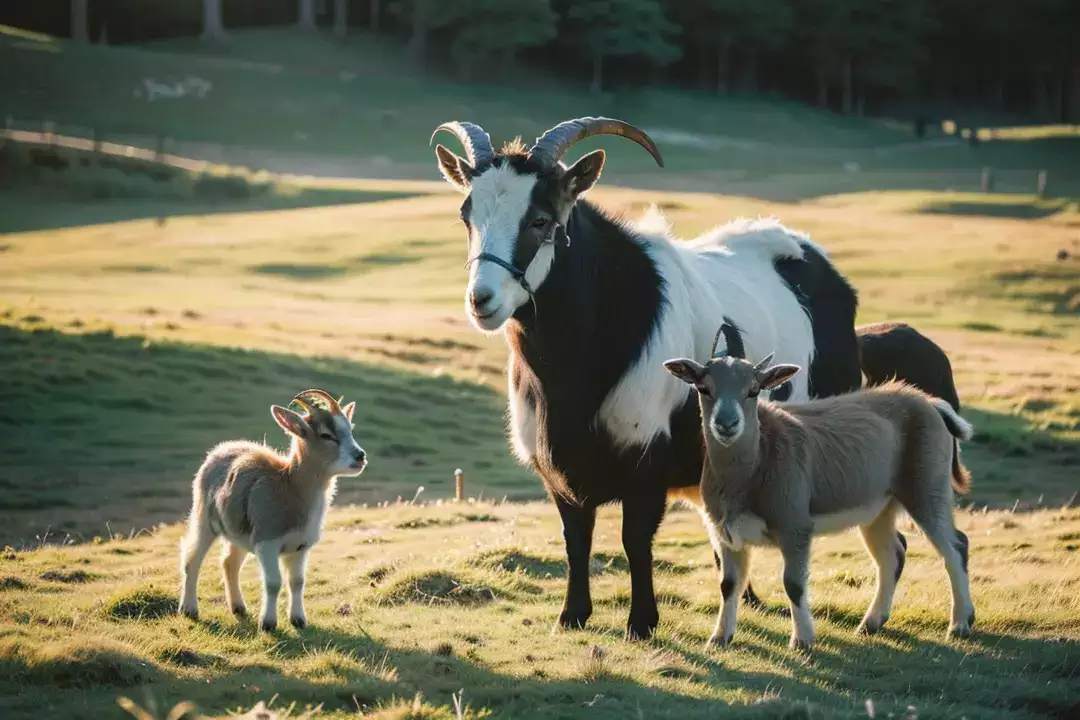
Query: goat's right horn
[(322, 395), (477, 143), (553, 144), (765, 362)]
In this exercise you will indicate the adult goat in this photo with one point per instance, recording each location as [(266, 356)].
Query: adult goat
[(590, 307)]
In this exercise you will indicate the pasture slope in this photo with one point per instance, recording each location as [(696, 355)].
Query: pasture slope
[(137, 331)]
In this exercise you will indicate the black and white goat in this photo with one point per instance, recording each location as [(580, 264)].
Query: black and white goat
[(590, 307)]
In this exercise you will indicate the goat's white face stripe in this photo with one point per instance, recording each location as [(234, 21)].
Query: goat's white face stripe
[(500, 199)]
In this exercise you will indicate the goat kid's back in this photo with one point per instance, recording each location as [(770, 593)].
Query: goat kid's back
[(890, 439)]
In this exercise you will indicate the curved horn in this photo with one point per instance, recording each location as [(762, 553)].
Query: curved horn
[(765, 362), (553, 144), (716, 341), (322, 395), (477, 143), (303, 406), (733, 338)]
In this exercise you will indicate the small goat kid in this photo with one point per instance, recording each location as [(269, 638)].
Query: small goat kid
[(777, 475), (269, 504)]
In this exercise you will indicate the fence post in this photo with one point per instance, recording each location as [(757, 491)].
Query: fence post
[(159, 150), (95, 137), (1040, 184), (48, 128), (459, 485), (986, 181)]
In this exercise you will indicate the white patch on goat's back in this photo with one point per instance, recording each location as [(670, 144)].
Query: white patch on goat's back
[(846, 519), (728, 271)]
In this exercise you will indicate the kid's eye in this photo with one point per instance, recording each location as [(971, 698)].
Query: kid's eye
[(540, 223), (327, 436)]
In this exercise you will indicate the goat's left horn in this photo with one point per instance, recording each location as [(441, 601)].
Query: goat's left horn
[(553, 144), (322, 395), (477, 143)]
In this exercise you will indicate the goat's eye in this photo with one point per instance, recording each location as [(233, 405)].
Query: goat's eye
[(540, 223), (753, 393), (327, 436), (702, 390)]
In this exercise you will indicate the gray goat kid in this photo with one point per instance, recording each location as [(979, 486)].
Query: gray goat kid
[(778, 475), (269, 504)]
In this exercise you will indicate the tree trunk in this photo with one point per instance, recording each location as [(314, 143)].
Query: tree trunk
[(417, 47), (213, 28), (80, 21), (341, 17), (822, 86), (1042, 100), (597, 85), (723, 65), (307, 14), (750, 72), (375, 15), (848, 87)]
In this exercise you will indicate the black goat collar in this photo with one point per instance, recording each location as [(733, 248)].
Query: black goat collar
[(557, 236)]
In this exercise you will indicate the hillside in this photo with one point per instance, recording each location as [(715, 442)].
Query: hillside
[(290, 102)]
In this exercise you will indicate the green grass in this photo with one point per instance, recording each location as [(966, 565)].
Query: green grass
[(453, 605)]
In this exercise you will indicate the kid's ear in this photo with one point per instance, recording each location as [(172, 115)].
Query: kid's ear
[(686, 370), (348, 410), (777, 375), (289, 421)]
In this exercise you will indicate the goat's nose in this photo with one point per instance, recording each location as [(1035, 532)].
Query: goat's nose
[(481, 297), (361, 456), (727, 424)]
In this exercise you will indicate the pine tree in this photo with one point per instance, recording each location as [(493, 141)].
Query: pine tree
[(621, 28)]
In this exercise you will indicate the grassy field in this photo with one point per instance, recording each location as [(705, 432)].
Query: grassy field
[(136, 330)]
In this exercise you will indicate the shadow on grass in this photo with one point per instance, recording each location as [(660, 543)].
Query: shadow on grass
[(1027, 210), (98, 428), (1003, 677), (43, 209), (1050, 288)]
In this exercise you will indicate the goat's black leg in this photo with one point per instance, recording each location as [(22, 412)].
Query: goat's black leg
[(578, 523), (751, 598), (641, 518)]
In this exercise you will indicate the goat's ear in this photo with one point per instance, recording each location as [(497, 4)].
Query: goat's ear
[(583, 174), (777, 375), (457, 170), (686, 370), (289, 421), (348, 410)]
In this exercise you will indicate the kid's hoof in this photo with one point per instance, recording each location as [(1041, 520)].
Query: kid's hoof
[(191, 612), (962, 630), (803, 646), (721, 640), (299, 623), (751, 599), (636, 634), (239, 611), (869, 627), (268, 625)]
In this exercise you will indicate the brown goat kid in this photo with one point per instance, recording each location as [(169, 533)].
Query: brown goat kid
[(778, 475), (269, 504)]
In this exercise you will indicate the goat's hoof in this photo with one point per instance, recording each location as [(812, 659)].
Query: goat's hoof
[(239, 611), (869, 627), (268, 625), (572, 620), (637, 629), (298, 622), (191, 611)]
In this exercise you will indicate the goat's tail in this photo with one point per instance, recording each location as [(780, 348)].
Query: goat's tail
[(960, 429)]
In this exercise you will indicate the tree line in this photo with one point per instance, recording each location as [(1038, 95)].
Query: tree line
[(853, 56)]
